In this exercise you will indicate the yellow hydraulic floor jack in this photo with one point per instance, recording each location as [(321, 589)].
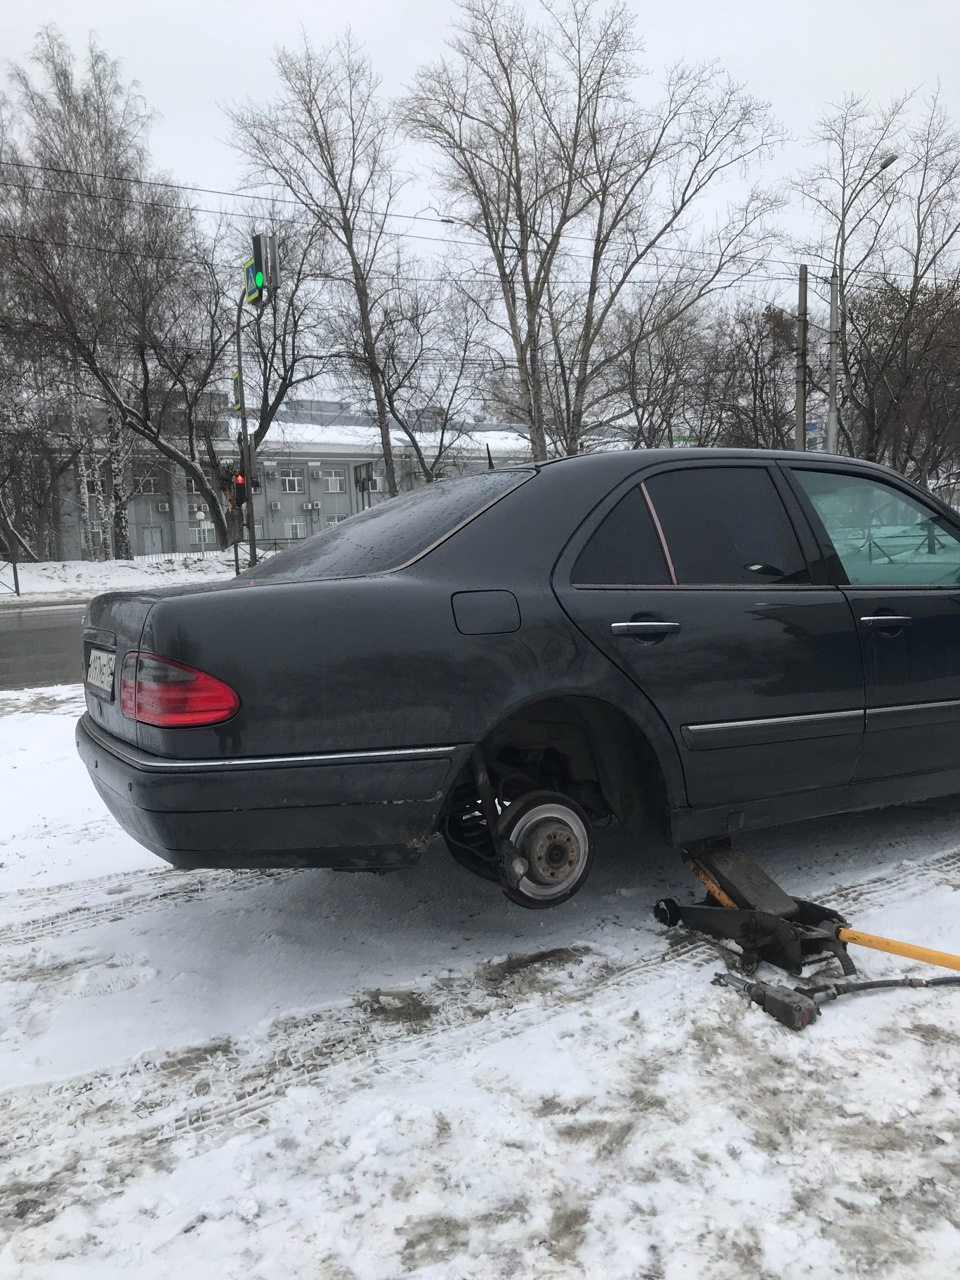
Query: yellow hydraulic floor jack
[(747, 907)]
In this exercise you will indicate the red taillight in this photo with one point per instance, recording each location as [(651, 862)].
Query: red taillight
[(159, 691)]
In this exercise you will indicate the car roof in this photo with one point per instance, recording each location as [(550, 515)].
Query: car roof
[(628, 460)]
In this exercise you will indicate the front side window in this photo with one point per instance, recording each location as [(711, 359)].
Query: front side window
[(291, 480), (726, 526), (624, 550), (882, 537)]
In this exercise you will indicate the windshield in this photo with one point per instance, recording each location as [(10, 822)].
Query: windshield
[(391, 534)]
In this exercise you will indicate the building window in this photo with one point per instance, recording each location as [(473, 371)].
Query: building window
[(295, 528), (146, 479), (334, 480), (194, 488), (96, 534), (90, 480), (374, 484), (337, 519), (203, 535), (291, 480)]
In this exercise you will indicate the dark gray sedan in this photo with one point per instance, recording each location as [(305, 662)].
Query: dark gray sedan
[(695, 641)]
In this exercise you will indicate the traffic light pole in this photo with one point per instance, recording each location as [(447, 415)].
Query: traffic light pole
[(248, 460)]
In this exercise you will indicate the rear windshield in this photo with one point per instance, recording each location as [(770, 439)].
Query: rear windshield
[(390, 534)]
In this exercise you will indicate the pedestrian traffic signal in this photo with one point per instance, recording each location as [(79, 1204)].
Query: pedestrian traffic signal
[(239, 490)]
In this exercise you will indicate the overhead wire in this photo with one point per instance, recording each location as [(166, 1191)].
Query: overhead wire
[(742, 267), (683, 250)]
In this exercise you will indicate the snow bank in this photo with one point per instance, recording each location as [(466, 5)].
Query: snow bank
[(81, 579)]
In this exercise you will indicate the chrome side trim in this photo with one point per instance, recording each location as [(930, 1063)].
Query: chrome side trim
[(755, 733), (945, 704), (158, 764), (775, 720)]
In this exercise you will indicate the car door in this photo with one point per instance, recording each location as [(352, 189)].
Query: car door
[(898, 560), (695, 582)]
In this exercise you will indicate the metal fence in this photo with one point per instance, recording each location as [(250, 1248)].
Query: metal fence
[(265, 548)]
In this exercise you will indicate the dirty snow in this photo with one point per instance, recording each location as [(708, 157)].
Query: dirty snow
[(339, 1077)]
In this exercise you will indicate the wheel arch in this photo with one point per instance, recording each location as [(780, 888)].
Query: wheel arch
[(594, 750)]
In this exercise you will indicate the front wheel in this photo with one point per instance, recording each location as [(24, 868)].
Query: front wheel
[(553, 836)]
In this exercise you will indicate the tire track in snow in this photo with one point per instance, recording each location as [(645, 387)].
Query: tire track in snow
[(62, 1143), (204, 1092), (139, 892), (126, 897)]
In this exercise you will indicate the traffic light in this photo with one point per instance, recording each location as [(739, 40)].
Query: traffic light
[(261, 275), (273, 263), (259, 262), (239, 490)]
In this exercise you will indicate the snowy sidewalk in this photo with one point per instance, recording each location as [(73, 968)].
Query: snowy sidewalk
[(344, 1077), (77, 581)]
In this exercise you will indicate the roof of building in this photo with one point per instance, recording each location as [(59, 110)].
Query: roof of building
[(348, 435)]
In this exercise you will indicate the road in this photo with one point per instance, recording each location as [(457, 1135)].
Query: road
[(39, 645)]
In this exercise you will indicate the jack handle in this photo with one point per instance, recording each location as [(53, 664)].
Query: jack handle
[(892, 947)]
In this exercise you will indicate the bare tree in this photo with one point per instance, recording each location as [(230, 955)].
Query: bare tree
[(887, 199), (577, 194), (431, 362), (287, 338), (329, 142), (751, 350), (111, 272)]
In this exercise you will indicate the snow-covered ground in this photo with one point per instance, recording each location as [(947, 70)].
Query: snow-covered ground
[(333, 1077), (81, 579)]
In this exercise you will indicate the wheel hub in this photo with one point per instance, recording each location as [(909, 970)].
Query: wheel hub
[(553, 852)]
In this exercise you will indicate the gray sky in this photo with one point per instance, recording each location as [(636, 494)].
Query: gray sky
[(190, 57)]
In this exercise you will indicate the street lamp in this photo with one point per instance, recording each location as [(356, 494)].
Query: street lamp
[(839, 246)]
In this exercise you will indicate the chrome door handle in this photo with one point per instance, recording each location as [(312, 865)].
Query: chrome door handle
[(885, 621), (644, 629)]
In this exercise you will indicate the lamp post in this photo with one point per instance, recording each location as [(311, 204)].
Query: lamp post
[(836, 284)]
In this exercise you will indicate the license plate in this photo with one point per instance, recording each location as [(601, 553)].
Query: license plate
[(100, 669)]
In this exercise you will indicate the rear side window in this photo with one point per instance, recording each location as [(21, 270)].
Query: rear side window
[(390, 534), (726, 526), (624, 550)]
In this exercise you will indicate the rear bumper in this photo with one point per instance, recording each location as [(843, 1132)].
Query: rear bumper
[(355, 811)]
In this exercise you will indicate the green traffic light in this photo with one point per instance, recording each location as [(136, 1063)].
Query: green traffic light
[(259, 279)]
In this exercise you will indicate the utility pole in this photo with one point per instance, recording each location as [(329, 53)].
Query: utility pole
[(800, 438), (246, 459), (261, 275), (834, 357)]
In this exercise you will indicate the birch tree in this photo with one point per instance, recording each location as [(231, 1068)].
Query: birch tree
[(111, 271)]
